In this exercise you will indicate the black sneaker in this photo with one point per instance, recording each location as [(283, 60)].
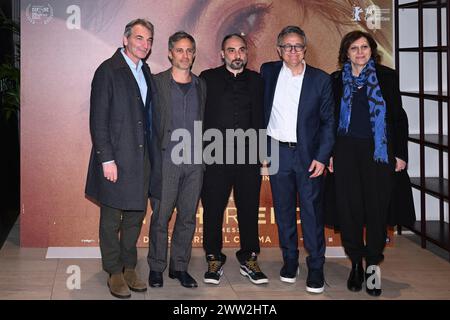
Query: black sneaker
[(215, 269), (289, 272), (315, 282), (251, 269)]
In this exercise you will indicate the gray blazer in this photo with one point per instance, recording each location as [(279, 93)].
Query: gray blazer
[(164, 107)]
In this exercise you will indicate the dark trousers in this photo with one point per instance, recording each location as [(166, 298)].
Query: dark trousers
[(363, 193), (245, 180), (120, 230), (291, 179)]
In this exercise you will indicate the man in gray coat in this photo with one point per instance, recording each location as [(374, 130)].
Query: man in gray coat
[(123, 154), (181, 106)]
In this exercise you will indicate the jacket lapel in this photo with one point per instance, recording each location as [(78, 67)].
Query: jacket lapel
[(307, 87), (150, 88), (165, 96), (199, 89), (270, 86), (127, 74), (273, 82), (381, 79)]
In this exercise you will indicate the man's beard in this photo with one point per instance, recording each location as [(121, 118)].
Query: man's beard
[(237, 64)]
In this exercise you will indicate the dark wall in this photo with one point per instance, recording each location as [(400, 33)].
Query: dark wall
[(6, 49), (9, 144)]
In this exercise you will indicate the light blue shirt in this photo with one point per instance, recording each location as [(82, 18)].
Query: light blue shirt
[(138, 75)]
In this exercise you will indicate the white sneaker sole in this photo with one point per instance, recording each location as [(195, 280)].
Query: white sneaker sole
[(288, 280), (291, 280), (315, 290), (260, 281), (212, 281)]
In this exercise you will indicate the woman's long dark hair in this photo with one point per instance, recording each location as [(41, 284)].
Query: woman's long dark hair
[(351, 37)]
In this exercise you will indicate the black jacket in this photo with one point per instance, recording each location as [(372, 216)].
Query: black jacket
[(402, 205), (117, 124), (396, 119), (215, 83), (315, 122)]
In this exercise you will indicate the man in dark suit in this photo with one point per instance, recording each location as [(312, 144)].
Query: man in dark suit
[(182, 98), (298, 114), (234, 102), (123, 154)]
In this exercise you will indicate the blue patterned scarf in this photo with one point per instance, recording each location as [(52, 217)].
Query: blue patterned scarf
[(377, 105)]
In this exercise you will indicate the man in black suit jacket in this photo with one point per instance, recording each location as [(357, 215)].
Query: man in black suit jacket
[(234, 102), (123, 154)]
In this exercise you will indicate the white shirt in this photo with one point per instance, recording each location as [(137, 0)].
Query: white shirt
[(283, 118)]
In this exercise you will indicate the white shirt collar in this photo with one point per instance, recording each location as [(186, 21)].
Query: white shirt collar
[(285, 69), (130, 62)]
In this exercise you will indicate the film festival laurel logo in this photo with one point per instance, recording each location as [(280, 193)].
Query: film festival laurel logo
[(373, 16), (39, 14)]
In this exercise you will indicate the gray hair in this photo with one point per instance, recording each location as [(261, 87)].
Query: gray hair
[(177, 36), (142, 22), (288, 30)]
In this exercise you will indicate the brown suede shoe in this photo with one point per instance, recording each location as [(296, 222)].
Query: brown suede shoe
[(118, 287), (133, 281)]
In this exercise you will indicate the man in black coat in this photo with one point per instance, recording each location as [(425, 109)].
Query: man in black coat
[(122, 156), (234, 102)]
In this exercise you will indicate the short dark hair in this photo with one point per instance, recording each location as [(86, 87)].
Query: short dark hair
[(290, 29), (233, 35), (351, 37), (142, 22), (177, 36)]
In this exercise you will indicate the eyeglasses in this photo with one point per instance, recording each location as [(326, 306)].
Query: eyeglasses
[(289, 47)]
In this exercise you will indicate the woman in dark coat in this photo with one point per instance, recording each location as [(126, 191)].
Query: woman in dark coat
[(371, 146)]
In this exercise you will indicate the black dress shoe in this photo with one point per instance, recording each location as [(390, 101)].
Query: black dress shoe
[(185, 278), (155, 279), (373, 292), (356, 277), (373, 285)]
